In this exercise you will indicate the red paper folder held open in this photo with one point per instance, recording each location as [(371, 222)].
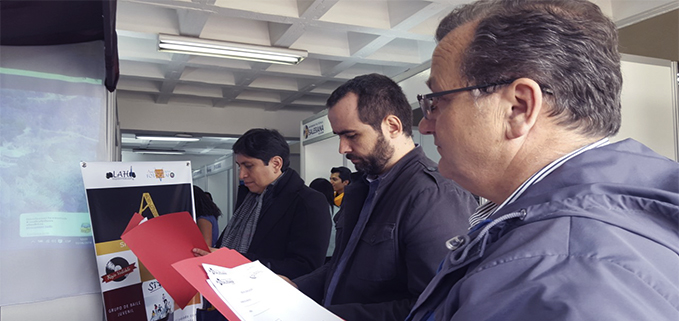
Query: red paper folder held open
[(164, 244), (162, 241)]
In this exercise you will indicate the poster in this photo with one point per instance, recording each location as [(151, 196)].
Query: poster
[(115, 191)]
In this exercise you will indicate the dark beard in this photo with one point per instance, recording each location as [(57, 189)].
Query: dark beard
[(374, 163)]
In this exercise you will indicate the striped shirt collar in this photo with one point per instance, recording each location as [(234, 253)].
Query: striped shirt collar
[(489, 208)]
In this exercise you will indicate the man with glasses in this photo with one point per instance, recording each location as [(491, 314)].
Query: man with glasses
[(576, 228), (394, 221)]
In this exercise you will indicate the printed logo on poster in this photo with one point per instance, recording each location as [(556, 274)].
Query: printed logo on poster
[(117, 270), (159, 174), (159, 304), (123, 174)]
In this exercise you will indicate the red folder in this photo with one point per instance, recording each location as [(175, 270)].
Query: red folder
[(162, 241), (134, 221)]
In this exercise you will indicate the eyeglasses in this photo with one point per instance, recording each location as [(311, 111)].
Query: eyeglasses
[(427, 101)]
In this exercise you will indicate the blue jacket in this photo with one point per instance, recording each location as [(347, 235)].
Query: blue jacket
[(597, 239), (415, 211)]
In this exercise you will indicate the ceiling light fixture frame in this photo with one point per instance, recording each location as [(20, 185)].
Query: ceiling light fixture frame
[(168, 138), (230, 50), (159, 151)]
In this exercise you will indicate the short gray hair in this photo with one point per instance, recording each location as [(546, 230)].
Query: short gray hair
[(567, 46)]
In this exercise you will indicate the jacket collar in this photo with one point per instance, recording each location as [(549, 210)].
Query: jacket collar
[(609, 182), (280, 185)]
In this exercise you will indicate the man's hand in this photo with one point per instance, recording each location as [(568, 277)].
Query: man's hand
[(288, 280), (199, 252)]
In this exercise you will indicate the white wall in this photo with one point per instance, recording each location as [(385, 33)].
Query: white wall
[(414, 85), (649, 104), (320, 157)]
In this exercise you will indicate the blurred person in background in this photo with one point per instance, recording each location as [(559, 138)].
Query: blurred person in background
[(340, 177), (207, 216), (326, 188)]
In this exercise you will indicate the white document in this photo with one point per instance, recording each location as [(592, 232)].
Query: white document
[(254, 293)]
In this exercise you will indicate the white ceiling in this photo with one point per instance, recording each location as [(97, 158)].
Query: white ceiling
[(344, 38)]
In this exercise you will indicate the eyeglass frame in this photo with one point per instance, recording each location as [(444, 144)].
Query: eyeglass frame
[(426, 108)]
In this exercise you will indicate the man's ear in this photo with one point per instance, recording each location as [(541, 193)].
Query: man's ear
[(277, 163), (393, 125), (523, 99)]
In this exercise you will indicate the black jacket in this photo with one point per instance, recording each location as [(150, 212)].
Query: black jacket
[(415, 211), (293, 230)]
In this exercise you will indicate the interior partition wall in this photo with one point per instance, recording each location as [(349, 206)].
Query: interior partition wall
[(650, 108), (217, 179), (319, 148)]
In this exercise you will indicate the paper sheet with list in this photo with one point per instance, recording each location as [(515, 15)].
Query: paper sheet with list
[(254, 293)]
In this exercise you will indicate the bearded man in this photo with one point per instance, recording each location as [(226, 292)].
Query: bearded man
[(394, 221)]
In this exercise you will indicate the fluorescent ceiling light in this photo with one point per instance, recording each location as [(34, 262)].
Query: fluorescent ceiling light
[(224, 139), (231, 50), (170, 138), (159, 151)]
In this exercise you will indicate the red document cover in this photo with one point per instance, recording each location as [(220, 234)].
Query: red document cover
[(162, 241), (134, 221), (192, 270)]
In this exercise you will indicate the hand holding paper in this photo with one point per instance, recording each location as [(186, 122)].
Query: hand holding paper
[(248, 291), (200, 252)]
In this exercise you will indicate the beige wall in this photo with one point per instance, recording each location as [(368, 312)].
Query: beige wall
[(657, 37), (148, 116)]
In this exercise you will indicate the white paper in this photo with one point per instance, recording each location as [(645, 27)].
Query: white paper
[(254, 293)]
